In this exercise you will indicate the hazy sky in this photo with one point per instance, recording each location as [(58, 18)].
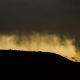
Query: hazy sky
[(50, 16)]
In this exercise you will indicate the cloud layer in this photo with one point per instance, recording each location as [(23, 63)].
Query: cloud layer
[(40, 42)]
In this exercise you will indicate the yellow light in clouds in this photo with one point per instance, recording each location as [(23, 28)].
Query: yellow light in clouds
[(38, 42)]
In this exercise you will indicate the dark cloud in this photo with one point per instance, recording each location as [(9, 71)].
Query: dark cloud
[(50, 16)]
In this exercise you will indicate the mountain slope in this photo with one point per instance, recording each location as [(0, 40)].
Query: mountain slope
[(32, 61)]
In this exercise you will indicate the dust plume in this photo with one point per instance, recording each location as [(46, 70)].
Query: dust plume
[(41, 42)]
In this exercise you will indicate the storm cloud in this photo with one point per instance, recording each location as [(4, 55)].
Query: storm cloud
[(60, 17)]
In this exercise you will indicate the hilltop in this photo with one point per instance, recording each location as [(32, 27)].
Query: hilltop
[(32, 61)]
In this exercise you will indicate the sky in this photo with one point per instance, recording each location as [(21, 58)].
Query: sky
[(51, 16), (61, 17)]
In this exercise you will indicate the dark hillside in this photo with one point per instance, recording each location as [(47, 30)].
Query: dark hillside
[(13, 60)]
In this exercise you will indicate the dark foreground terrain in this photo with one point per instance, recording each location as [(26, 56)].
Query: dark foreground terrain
[(12, 60)]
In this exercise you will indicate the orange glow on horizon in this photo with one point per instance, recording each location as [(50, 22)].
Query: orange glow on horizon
[(37, 42)]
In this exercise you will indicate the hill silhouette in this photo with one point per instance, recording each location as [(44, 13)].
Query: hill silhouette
[(14, 60)]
